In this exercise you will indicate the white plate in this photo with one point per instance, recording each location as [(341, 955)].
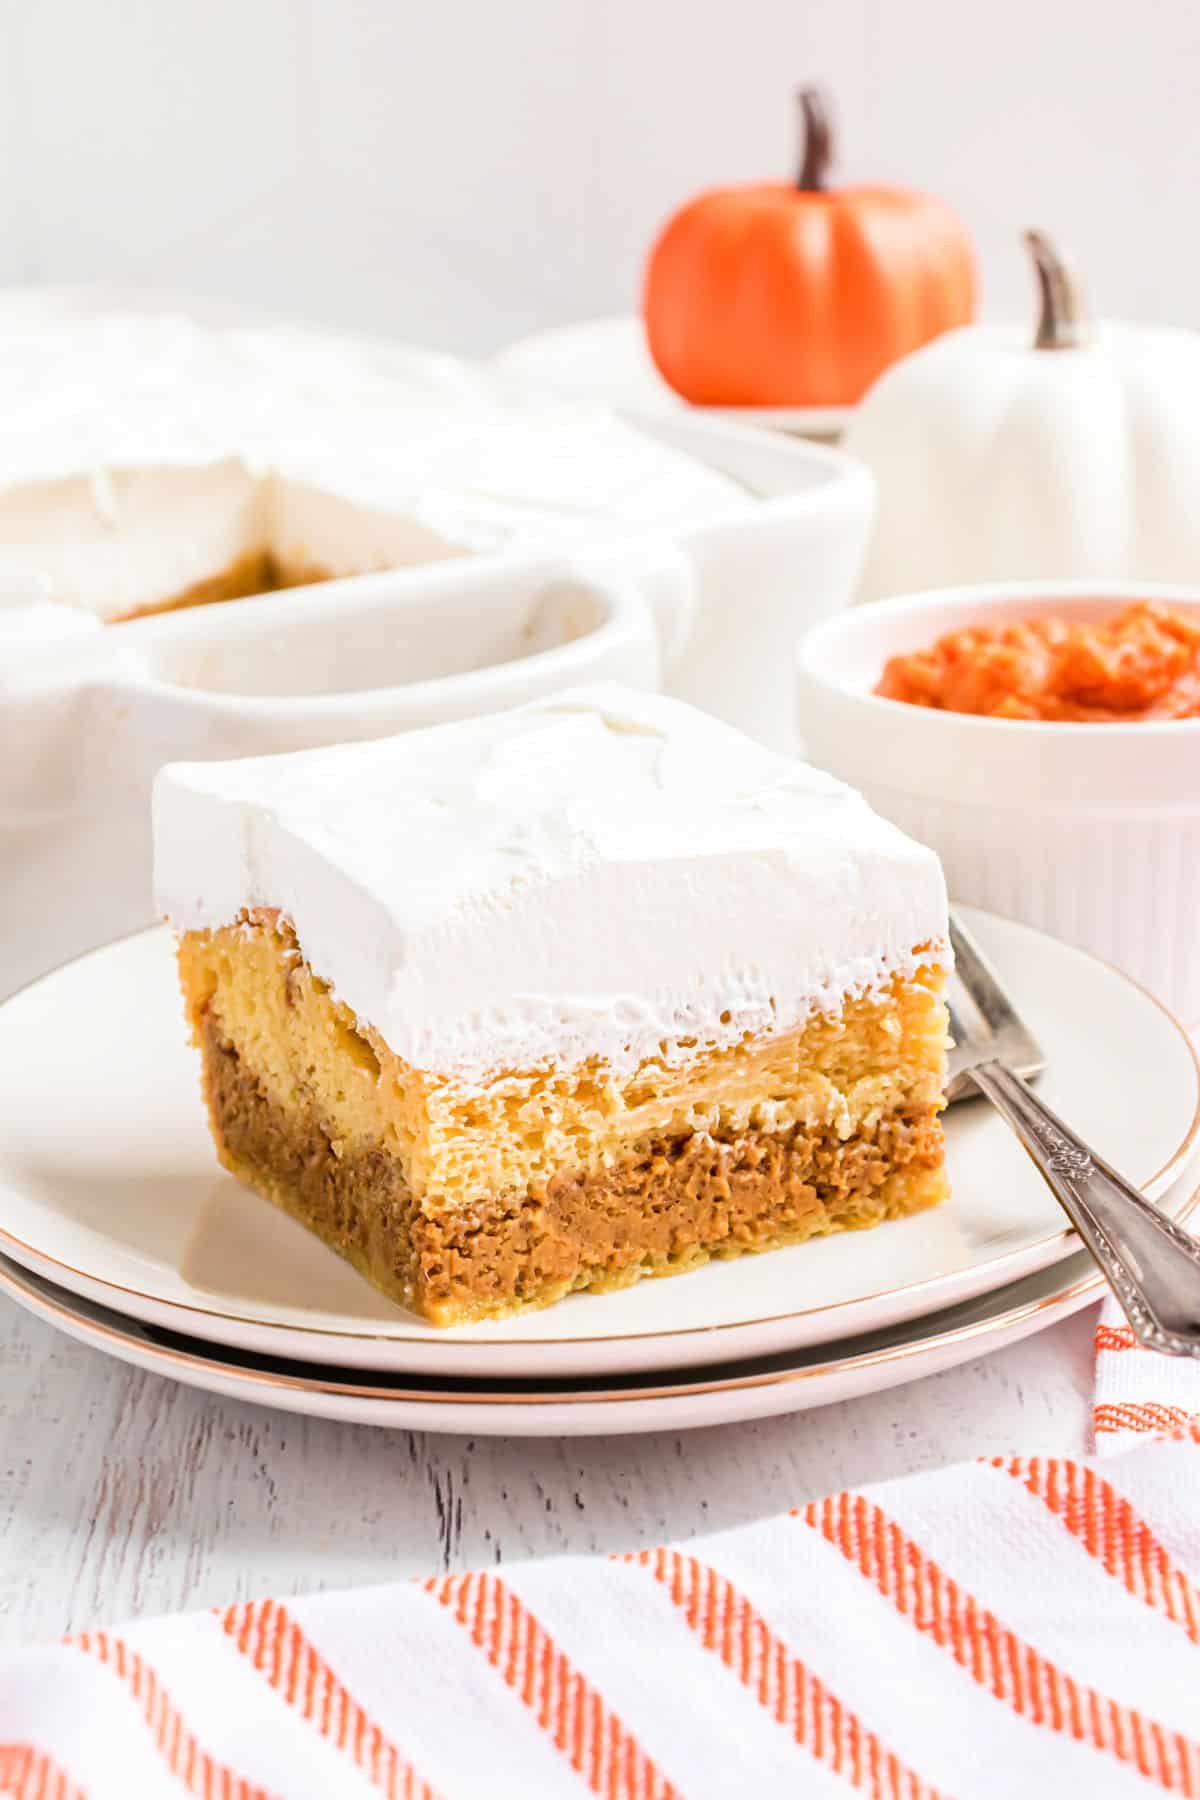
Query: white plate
[(109, 1186), (670, 1400), (607, 362)]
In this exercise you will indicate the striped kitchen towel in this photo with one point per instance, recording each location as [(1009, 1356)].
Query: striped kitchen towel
[(1023, 1626), (1138, 1394)]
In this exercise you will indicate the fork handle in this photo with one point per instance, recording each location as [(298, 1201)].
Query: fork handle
[(1152, 1266)]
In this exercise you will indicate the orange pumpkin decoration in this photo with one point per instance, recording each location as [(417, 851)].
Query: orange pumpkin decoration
[(776, 295)]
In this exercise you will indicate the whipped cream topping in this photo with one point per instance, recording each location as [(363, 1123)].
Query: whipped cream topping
[(607, 874), (142, 456)]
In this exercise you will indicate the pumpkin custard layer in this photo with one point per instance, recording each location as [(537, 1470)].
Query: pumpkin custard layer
[(472, 1206), (245, 578), (513, 1083)]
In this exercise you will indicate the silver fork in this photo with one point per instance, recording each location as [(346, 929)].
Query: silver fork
[(1151, 1265)]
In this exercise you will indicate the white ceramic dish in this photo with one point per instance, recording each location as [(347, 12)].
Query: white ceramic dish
[(1091, 832), (82, 734), (109, 1186), (669, 1400), (761, 579), (713, 616), (608, 362)]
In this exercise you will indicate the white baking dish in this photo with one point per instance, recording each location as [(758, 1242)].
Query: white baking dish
[(765, 576), (83, 732), (715, 616)]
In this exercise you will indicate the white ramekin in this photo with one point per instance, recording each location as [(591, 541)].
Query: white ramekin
[(1090, 832)]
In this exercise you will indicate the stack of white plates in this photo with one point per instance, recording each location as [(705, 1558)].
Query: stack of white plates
[(118, 1227)]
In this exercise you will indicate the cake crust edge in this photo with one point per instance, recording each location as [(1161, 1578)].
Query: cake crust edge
[(672, 1206)]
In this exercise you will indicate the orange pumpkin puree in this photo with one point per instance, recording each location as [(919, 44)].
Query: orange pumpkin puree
[(1142, 664)]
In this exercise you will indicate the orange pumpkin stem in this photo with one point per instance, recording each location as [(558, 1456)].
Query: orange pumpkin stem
[(1062, 315), (816, 140)]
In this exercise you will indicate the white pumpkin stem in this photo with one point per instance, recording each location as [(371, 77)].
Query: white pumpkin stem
[(1062, 319), (816, 140)]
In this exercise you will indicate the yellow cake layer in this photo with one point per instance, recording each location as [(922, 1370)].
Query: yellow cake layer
[(883, 1055)]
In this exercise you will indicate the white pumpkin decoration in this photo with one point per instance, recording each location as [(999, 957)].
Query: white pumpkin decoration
[(1000, 457)]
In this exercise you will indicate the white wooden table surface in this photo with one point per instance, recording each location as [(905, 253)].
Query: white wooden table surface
[(122, 1494)]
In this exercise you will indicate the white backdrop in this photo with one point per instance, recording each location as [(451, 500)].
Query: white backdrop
[(462, 171)]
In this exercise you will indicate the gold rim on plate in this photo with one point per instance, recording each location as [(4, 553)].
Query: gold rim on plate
[(1162, 1177), (100, 1334)]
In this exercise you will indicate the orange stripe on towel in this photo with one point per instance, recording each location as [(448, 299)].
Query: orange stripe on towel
[(1116, 1337), (1146, 1417), (575, 1717), (27, 1773), (267, 1634), (187, 1761), (728, 1625), (1109, 1529), (1012, 1671)]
